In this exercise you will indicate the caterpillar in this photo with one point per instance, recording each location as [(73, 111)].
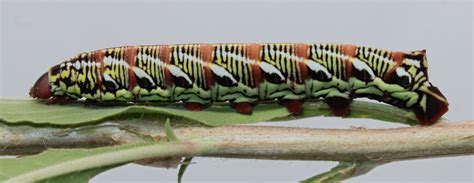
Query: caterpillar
[(245, 74)]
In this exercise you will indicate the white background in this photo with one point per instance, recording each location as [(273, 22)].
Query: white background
[(39, 34)]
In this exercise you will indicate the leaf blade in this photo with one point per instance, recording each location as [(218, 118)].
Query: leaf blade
[(57, 162), (37, 113), (344, 171)]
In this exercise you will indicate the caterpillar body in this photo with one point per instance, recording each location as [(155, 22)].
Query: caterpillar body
[(244, 74)]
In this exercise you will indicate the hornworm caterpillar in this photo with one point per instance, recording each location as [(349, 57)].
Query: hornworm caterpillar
[(244, 74)]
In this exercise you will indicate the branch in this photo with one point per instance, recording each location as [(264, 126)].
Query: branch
[(263, 142)]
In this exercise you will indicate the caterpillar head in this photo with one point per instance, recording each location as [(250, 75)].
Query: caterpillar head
[(41, 88), (428, 103)]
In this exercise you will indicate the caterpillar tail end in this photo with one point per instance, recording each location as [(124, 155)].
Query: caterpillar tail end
[(41, 89), (435, 106)]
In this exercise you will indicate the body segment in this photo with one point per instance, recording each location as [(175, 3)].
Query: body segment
[(244, 74)]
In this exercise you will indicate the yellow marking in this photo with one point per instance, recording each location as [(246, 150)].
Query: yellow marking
[(82, 76), (62, 85), (425, 89), (70, 89), (423, 103), (89, 77), (272, 48), (93, 71), (227, 60), (418, 76), (78, 89), (279, 61), (239, 68), (424, 62), (116, 50), (328, 61), (153, 66), (74, 75), (127, 76), (183, 62), (121, 92), (194, 67), (112, 70), (159, 72), (65, 73), (116, 72), (217, 52), (87, 95), (412, 71), (140, 60), (190, 63), (379, 67), (267, 53), (289, 67), (179, 60), (124, 73), (148, 62), (108, 96), (318, 52), (143, 92), (234, 67), (247, 74), (51, 77), (155, 56), (333, 65), (244, 73), (294, 69), (340, 66)]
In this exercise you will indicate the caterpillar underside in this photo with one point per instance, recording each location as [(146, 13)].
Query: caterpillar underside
[(244, 74)]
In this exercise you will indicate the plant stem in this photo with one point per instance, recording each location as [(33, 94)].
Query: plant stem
[(263, 142)]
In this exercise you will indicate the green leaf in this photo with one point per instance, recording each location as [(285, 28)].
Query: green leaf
[(55, 165), (343, 171), (38, 113), (184, 165), (79, 176), (32, 111), (169, 132)]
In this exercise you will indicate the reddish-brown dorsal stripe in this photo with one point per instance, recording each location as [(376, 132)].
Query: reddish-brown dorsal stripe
[(397, 57), (301, 51), (165, 51), (98, 56), (253, 52), (350, 52), (206, 56), (130, 54)]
